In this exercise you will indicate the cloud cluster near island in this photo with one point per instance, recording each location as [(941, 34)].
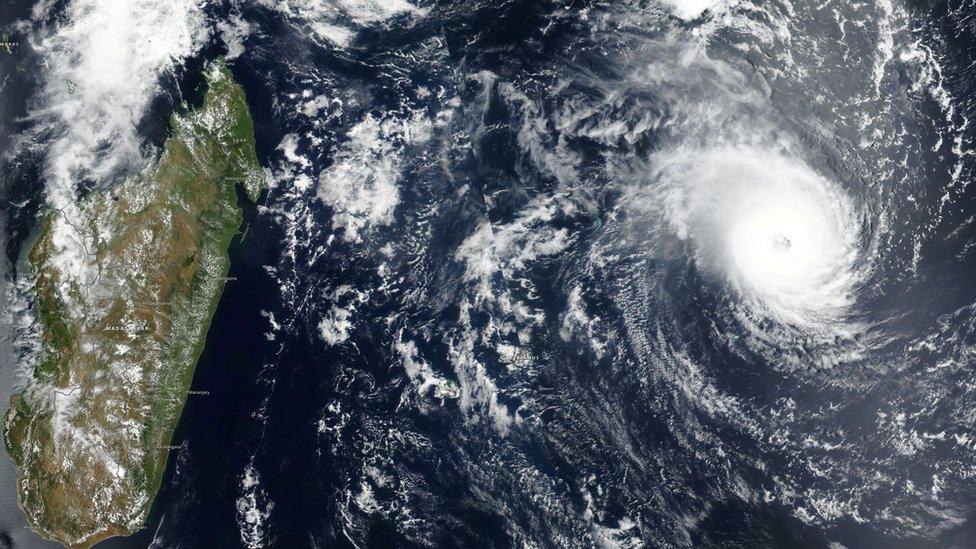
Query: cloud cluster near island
[(103, 61)]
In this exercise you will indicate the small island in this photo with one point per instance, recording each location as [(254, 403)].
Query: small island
[(124, 290)]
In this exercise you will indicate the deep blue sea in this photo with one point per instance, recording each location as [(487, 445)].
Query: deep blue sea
[(538, 345)]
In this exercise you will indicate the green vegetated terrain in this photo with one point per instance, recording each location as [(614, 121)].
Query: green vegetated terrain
[(125, 284)]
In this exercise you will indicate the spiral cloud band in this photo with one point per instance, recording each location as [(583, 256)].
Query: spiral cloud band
[(782, 236)]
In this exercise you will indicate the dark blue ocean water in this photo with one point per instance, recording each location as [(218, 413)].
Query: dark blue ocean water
[(267, 400)]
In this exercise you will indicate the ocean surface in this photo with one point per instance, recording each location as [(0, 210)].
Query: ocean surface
[(560, 274)]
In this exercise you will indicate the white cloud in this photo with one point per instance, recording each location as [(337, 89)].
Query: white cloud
[(338, 21), (233, 31), (421, 375), (372, 11), (692, 9), (361, 185), (337, 323), (104, 62), (253, 509), (480, 262)]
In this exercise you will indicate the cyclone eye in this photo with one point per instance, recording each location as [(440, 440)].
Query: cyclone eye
[(777, 232)]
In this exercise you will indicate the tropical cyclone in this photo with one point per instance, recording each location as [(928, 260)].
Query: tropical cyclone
[(125, 284)]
